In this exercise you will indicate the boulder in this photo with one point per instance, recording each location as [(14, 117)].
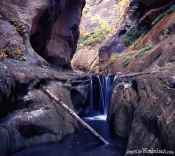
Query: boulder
[(28, 116), (142, 109)]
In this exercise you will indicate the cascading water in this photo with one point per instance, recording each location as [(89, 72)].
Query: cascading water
[(84, 143), (99, 96)]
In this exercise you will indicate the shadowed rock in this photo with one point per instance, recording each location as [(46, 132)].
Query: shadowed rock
[(142, 110), (52, 27), (28, 115)]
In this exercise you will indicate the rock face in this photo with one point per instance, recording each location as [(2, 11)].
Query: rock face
[(33, 34), (153, 50), (138, 19), (134, 18), (39, 32), (52, 27), (28, 115), (56, 35), (98, 23), (142, 110)]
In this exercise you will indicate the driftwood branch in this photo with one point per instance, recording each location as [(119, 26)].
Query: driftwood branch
[(70, 111), (137, 74)]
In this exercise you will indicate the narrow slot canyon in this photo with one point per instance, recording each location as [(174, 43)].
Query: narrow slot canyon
[(87, 77)]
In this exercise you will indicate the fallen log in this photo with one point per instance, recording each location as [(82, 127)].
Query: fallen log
[(128, 75), (70, 111)]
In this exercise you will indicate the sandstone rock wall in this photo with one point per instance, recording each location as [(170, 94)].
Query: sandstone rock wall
[(27, 115), (134, 18), (31, 30), (97, 24), (142, 110)]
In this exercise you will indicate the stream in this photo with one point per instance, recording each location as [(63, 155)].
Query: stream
[(83, 143)]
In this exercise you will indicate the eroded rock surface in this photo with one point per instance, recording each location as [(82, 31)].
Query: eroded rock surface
[(52, 27), (135, 21), (28, 115), (97, 24), (154, 50), (142, 110)]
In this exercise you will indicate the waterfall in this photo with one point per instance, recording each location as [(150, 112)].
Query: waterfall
[(99, 96)]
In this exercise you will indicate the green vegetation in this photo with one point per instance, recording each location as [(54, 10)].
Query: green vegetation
[(139, 38), (143, 50), (91, 39), (130, 39), (168, 11), (98, 34), (114, 57), (130, 36), (132, 54)]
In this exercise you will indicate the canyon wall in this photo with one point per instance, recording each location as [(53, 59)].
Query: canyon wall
[(36, 35), (134, 20), (40, 32)]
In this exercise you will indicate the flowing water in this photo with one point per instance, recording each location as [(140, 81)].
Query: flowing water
[(83, 143), (99, 96)]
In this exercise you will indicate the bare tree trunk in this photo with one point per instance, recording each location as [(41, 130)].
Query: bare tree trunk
[(93, 131)]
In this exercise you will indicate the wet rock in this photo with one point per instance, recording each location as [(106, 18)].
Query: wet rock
[(144, 111), (7, 87), (5, 142), (171, 82), (33, 117)]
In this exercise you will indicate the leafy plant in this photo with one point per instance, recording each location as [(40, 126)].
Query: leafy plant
[(127, 58), (130, 36), (168, 11), (143, 50), (139, 38), (97, 35), (131, 53)]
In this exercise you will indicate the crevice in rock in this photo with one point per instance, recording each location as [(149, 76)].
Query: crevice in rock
[(135, 86), (54, 35), (41, 35), (29, 130), (136, 89)]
